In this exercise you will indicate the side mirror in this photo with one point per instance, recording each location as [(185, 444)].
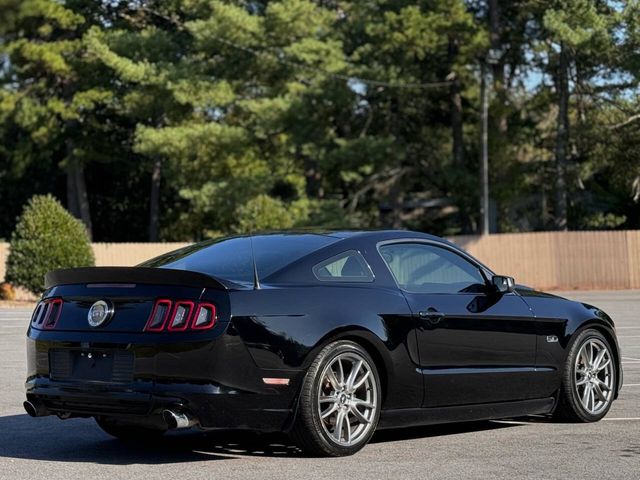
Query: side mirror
[(503, 284)]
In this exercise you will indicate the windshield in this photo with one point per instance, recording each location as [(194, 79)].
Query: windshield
[(230, 258)]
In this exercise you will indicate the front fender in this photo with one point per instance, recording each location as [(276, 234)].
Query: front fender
[(565, 319)]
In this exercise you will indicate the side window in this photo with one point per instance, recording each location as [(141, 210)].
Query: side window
[(423, 268), (349, 266)]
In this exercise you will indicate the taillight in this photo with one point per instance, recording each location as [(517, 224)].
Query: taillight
[(159, 315), (205, 317), (181, 316), (185, 315), (53, 313), (47, 313), (36, 318)]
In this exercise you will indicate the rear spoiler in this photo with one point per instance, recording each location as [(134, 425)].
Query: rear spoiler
[(137, 275)]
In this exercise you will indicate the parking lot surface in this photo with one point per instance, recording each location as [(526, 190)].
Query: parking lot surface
[(518, 448)]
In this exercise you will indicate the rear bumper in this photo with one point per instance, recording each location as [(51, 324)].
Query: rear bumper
[(215, 379), (214, 406)]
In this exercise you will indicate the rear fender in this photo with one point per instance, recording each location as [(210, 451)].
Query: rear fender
[(373, 344)]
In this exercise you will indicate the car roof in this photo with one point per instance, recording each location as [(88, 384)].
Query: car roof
[(366, 235), (344, 234), (376, 235)]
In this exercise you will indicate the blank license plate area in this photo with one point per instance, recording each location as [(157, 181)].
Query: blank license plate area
[(92, 365)]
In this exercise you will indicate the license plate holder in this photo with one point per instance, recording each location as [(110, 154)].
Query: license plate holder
[(92, 365)]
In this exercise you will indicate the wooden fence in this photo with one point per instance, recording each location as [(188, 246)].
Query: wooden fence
[(113, 254), (546, 260), (562, 260)]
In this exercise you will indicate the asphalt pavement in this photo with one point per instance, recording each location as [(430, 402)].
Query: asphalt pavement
[(519, 448)]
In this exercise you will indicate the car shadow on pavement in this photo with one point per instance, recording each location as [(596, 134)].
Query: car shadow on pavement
[(81, 440), (428, 431)]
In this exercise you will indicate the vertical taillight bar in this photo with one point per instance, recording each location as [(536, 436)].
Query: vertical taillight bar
[(159, 315), (37, 314), (205, 317), (181, 316), (53, 313)]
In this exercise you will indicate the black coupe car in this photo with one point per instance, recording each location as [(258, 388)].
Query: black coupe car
[(327, 336)]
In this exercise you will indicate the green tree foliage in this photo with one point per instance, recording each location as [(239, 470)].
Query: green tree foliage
[(241, 102), (186, 118), (412, 127), (60, 124), (46, 237), (264, 213), (53, 107)]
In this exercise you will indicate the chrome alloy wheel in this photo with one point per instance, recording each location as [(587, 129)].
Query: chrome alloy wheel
[(347, 399), (594, 376)]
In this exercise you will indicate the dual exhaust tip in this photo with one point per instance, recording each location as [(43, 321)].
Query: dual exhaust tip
[(175, 419)]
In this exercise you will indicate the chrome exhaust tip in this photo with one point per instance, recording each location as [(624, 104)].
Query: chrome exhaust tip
[(35, 408), (176, 419)]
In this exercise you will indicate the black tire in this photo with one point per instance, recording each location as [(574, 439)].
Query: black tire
[(308, 431), (128, 432), (570, 407)]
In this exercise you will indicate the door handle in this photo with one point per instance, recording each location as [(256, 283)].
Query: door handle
[(431, 314)]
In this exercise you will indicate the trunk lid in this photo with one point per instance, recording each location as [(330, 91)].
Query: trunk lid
[(131, 293)]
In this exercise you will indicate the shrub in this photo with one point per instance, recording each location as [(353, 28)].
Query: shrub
[(46, 237), (7, 292)]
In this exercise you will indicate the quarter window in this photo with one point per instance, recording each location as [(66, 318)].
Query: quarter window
[(348, 266), (423, 268)]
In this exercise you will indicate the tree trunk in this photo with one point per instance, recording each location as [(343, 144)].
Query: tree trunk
[(457, 134), (562, 139), (484, 152), (455, 101), (154, 200), (77, 201), (83, 199), (392, 217), (313, 176), (494, 23), (495, 36), (72, 191)]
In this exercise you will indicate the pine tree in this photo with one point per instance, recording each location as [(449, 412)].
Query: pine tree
[(579, 36), (57, 100)]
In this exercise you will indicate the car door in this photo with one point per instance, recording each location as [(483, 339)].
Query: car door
[(475, 344)]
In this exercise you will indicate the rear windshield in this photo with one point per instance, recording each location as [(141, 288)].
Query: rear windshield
[(230, 258)]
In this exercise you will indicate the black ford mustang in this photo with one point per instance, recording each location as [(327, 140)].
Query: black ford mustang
[(327, 336)]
